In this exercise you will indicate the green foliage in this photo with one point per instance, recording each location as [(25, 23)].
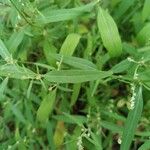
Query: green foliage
[(109, 33), (132, 120), (74, 74)]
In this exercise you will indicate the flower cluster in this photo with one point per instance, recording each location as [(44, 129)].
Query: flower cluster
[(132, 100), (86, 134)]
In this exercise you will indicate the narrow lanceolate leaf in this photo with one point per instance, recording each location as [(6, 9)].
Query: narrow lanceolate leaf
[(49, 16), (132, 121), (46, 107), (75, 61), (70, 44), (146, 10), (109, 33), (76, 76), (4, 53)]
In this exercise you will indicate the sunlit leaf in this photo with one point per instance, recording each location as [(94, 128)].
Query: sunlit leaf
[(46, 107), (109, 33)]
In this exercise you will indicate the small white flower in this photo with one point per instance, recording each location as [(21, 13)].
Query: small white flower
[(130, 59), (132, 100), (119, 141)]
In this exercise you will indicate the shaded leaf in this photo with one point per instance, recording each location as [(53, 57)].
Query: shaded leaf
[(123, 7), (122, 66), (145, 146)]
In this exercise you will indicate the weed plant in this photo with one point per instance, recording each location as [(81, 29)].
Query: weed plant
[(74, 74)]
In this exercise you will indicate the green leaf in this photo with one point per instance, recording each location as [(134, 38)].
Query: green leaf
[(109, 33), (76, 76), (97, 141), (129, 49), (132, 120), (4, 51), (49, 48), (46, 107), (75, 93), (145, 146), (123, 7), (70, 44), (74, 119), (29, 89), (14, 41), (3, 87), (143, 36), (122, 66), (75, 62), (16, 111), (113, 115), (49, 16), (16, 71), (146, 10), (111, 126)]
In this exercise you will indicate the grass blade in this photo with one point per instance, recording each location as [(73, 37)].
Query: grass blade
[(132, 121)]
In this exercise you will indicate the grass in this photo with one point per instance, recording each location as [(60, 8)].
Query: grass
[(74, 74)]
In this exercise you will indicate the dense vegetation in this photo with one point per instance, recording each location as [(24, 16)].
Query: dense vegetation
[(75, 74)]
